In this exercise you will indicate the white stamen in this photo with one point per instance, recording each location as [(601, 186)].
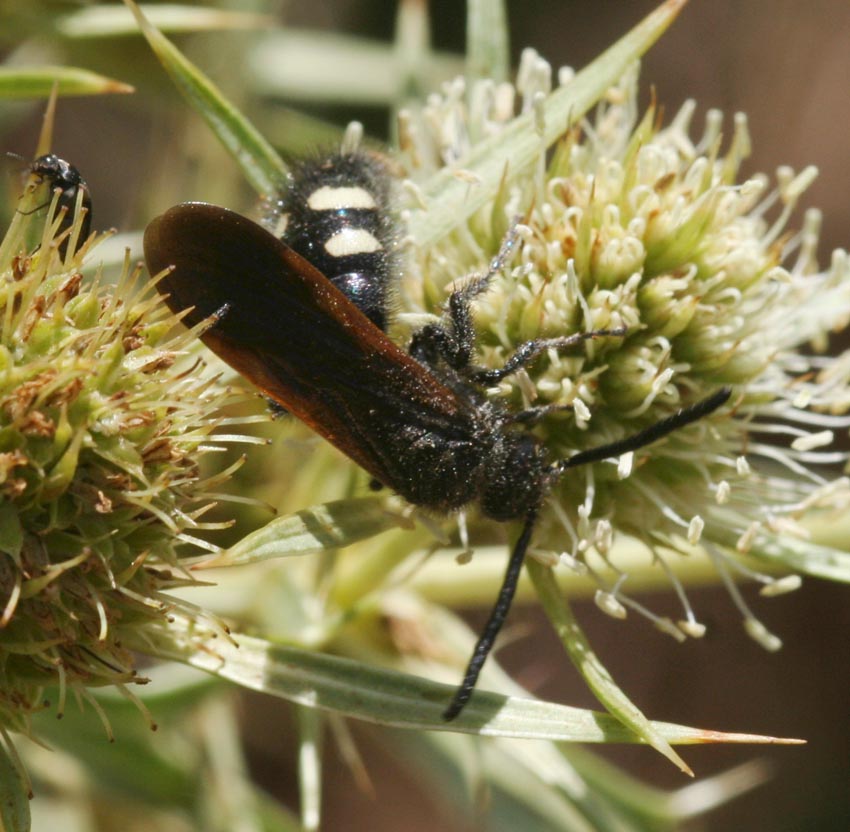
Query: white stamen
[(565, 75), (525, 384), (802, 399), (695, 529), (352, 137), (761, 635), (573, 564), (745, 541), (790, 583), (812, 440), (692, 628), (609, 604), (464, 556), (582, 412), (604, 537), (583, 523)]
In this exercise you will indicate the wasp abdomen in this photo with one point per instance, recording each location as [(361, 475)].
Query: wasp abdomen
[(335, 213)]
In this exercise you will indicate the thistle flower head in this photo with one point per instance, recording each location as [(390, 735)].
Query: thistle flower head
[(103, 422), (628, 223)]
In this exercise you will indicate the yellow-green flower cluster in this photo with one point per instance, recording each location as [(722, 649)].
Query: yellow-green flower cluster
[(630, 223), (103, 421)]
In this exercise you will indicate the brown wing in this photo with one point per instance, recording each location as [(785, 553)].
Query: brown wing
[(288, 330)]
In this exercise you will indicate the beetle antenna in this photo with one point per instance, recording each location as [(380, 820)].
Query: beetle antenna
[(494, 623), (646, 437)]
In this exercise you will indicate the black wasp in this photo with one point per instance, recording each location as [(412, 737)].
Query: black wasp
[(419, 422)]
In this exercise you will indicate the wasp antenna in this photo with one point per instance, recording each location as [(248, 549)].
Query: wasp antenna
[(494, 623), (651, 434)]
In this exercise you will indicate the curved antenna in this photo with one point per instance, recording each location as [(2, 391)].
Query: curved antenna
[(654, 432)]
